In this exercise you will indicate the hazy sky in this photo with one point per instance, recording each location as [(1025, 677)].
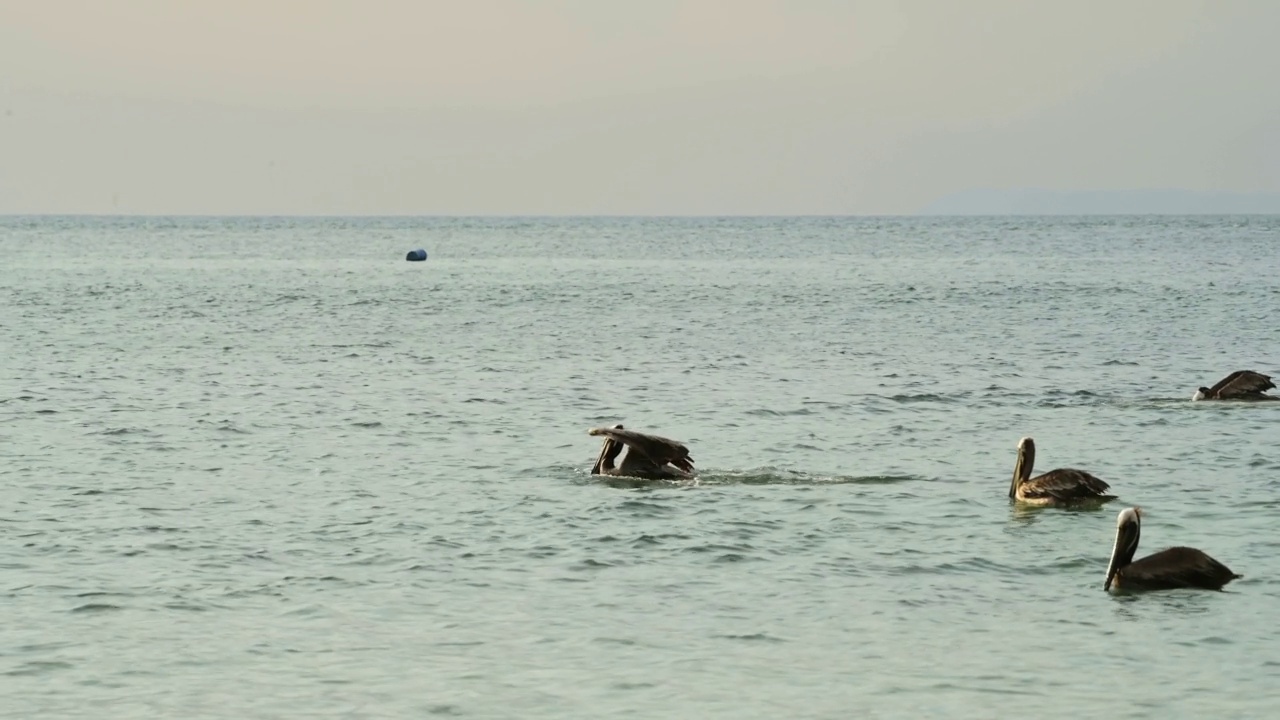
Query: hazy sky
[(624, 107)]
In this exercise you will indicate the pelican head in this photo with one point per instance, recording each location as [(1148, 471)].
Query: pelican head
[(609, 451), (1128, 529), (1022, 468), (1201, 394), (603, 431)]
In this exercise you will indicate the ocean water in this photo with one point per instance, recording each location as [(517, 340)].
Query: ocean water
[(264, 467)]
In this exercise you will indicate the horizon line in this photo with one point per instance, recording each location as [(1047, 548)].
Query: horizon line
[(552, 216)]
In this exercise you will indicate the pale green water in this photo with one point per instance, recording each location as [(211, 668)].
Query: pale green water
[(266, 468)]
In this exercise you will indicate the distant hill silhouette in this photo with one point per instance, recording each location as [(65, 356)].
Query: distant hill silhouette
[(1103, 202)]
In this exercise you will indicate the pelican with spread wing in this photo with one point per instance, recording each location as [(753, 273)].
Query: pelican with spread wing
[(1239, 385), (648, 456), (1064, 486)]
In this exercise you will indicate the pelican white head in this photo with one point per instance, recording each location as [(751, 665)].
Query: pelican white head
[(1128, 515)]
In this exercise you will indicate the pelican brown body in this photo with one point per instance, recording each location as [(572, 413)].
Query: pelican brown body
[(1176, 567), (1239, 385), (648, 456), (1064, 486)]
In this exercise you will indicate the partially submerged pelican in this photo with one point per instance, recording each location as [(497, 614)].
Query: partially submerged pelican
[(1176, 567), (1064, 486), (1239, 385), (648, 456)]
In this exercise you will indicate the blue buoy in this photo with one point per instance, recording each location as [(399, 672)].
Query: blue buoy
[(416, 255)]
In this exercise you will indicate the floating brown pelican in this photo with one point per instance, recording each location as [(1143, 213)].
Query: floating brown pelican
[(1065, 486), (648, 456), (1239, 385), (1176, 567)]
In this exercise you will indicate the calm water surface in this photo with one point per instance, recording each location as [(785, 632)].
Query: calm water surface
[(266, 468)]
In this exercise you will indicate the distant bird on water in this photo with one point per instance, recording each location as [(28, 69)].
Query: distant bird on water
[(1176, 567), (1239, 385), (1065, 486), (648, 456)]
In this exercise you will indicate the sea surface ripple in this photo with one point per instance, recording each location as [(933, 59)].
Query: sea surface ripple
[(264, 467)]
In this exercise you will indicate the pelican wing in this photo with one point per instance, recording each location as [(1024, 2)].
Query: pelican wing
[(1241, 383), (658, 449), (1176, 567), (1065, 484)]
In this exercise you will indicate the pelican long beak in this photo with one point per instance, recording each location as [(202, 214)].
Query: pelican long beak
[(1122, 552), (1021, 468), (1111, 573), (604, 450)]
